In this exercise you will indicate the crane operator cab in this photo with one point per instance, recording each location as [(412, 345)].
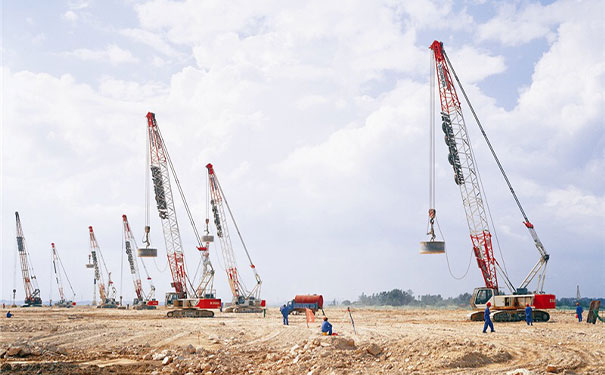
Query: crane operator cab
[(481, 296)]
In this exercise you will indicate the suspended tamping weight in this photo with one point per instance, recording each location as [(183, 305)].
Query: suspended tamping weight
[(208, 237), (89, 264), (432, 246), (147, 252)]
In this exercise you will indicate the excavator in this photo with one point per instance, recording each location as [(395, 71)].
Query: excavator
[(507, 307)]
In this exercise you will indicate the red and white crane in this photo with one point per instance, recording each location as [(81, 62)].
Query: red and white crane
[(191, 301), (107, 292), (466, 176), (58, 267), (30, 284), (143, 300), (244, 300)]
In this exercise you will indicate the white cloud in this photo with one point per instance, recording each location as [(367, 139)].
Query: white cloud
[(70, 15), (151, 39), (112, 54), (518, 23), (577, 209), (473, 65)]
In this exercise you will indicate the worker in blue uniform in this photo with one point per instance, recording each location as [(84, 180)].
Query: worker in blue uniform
[(9, 315), (285, 313), (487, 318), (528, 316), (579, 311), (326, 327)]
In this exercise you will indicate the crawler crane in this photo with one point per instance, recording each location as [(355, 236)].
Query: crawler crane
[(57, 267), (30, 285), (107, 293), (246, 301), (142, 301), (507, 307), (188, 300)]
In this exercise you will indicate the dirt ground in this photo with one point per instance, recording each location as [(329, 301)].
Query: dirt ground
[(87, 340)]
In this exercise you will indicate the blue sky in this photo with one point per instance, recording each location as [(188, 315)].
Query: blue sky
[(316, 119)]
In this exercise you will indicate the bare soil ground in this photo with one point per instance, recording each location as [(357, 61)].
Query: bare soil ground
[(87, 340)]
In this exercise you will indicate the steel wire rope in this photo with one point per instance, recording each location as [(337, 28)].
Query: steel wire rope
[(122, 266), (238, 233), (15, 275), (50, 292), (470, 258), (66, 277), (505, 271)]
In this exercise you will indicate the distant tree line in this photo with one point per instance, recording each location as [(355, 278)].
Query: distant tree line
[(398, 297), (570, 302)]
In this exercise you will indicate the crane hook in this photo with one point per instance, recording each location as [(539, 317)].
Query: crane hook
[(431, 232)]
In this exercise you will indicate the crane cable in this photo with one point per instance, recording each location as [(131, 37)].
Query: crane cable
[(447, 258), (468, 102), (239, 235), (66, 277)]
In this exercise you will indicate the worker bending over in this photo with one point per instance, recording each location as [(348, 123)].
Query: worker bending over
[(487, 318), (528, 317), (326, 327), (579, 311), (9, 315)]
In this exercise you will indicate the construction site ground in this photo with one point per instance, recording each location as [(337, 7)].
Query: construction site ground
[(87, 340)]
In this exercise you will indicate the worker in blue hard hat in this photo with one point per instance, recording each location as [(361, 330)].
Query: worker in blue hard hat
[(284, 311), (326, 327), (487, 318), (528, 316), (579, 311)]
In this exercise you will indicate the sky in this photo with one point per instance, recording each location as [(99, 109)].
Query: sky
[(316, 117)]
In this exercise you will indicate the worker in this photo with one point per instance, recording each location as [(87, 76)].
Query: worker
[(285, 313), (487, 318), (528, 316), (9, 315), (579, 311), (326, 327)]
